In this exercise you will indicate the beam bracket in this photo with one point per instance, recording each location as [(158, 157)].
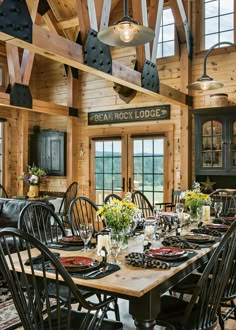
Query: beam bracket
[(15, 20), (20, 96), (149, 77), (97, 54)]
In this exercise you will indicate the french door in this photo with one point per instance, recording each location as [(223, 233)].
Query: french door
[(129, 162)]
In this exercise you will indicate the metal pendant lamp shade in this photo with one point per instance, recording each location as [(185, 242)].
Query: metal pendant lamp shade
[(205, 82), (126, 32)]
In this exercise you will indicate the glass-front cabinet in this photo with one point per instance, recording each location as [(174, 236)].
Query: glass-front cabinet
[(215, 141)]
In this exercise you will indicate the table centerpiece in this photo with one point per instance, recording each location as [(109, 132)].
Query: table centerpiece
[(118, 215), (34, 176), (195, 199)]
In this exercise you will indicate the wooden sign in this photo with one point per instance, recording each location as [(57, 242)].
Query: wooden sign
[(159, 112)]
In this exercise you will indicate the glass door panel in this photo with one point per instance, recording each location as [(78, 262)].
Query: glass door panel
[(128, 164), (107, 169), (212, 144)]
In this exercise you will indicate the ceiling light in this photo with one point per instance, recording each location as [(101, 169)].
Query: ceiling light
[(126, 32), (205, 82)]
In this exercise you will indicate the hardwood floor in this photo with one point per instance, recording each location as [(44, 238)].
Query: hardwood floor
[(129, 324)]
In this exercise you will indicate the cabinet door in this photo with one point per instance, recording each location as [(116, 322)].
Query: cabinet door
[(232, 145), (55, 156), (210, 146)]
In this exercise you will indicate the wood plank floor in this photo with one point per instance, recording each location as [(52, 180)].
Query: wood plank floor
[(129, 324)]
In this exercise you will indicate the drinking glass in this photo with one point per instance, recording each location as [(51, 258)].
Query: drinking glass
[(179, 209), (218, 206), (116, 241), (86, 231)]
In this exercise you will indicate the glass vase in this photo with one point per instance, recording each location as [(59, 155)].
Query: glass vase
[(193, 213)]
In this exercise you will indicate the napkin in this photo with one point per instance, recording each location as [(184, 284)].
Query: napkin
[(143, 260), (178, 242), (207, 231)]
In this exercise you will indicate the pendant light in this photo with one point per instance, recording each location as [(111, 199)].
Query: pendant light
[(126, 32)]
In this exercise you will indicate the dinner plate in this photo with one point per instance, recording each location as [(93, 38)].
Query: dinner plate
[(217, 226), (198, 238), (76, 264), (71, 240), (167, 253)]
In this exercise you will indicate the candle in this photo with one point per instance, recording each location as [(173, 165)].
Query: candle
[(206, 214)]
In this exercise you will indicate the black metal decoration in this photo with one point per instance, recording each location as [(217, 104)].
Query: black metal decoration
[(97, 54), (20, 96), (149, 77), (43, 7), (15, 20), (73, 112)]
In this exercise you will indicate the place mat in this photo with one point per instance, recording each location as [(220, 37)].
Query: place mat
[(145, 261), (85, 274), (38, 259), (65, 247)]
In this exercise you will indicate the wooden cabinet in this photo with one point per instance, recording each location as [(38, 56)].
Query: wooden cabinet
[(48, 150), (215, 141)]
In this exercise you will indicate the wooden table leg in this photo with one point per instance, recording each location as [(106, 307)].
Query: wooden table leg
[(144, 310)]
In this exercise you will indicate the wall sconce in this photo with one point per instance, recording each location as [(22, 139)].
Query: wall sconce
[(205, 82), (126, 32)]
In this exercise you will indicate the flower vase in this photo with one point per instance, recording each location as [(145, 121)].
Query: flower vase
[(193, 213), (125, 237), (33, 191)]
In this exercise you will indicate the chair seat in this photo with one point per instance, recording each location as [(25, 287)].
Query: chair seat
[(77, 319), (172, 311)]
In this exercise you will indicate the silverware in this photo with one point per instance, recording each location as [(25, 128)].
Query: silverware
[(97, 271)]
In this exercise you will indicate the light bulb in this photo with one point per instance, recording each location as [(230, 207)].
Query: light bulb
[(205, 85), (126, 32)]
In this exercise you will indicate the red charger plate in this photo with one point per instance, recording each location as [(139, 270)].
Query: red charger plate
[(71, 240), (217, 226), (198, 238), (167, 253), (75, 264)]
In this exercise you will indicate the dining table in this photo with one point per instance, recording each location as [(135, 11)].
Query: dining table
[(142, 287)]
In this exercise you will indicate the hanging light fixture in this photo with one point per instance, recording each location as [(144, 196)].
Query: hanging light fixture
[(126, 32), (205, 82)]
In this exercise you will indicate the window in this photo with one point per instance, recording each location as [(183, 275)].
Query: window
[(218, 21), (166, 42)]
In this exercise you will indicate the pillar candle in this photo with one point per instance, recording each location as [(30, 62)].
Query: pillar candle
[(206, 214)]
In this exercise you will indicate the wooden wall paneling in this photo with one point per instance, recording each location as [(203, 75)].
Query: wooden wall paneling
[(6, 153), (22, 147)]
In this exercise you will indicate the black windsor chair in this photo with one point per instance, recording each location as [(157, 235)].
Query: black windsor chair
[(69, 195), (83, 210), (142, 202), (175, 198), (36, 308), (227, 198), (39, 220), (110, 197), (3, 193), (200, 313)]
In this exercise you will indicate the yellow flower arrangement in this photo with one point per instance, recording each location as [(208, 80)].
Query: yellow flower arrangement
[(195, 198), (118, 213)]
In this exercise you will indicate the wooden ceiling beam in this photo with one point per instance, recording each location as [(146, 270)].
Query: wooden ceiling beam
[(38, 106), (59, 49), (82, 12), (178, 20), (140, 51)]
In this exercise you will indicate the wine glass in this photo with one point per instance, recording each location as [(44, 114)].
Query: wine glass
[(116, 240), (86, 231), (218, 206), (179, 209)]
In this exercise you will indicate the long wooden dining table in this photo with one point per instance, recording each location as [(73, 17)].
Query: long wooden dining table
[(142, 287)]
